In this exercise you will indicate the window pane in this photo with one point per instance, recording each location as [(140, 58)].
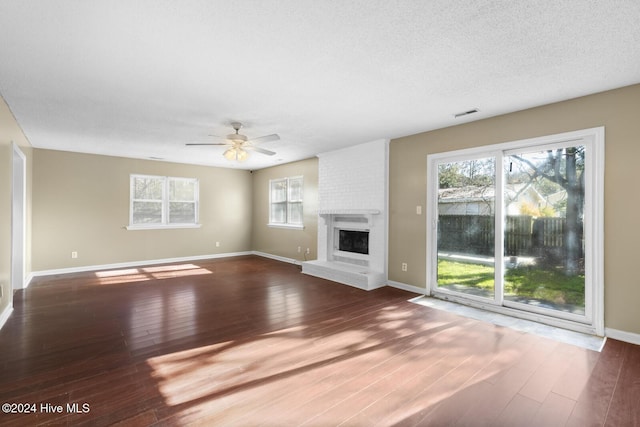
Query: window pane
[(466, 227), (147, 212), (182, 189), (147, 188), (278, 213), (182, 213), (295, 213), (278, 191), (295, 190), (544, 240)]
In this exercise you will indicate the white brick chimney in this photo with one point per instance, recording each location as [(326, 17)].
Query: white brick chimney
[(352, 196)]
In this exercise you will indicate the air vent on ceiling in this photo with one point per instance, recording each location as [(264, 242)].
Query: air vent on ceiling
[(466, 113)]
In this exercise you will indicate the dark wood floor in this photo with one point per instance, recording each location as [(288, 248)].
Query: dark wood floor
[(250, 341)]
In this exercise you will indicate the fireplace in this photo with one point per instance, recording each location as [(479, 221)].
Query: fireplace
[(354, 241), (350, 237), (354, 249), (352, 213)]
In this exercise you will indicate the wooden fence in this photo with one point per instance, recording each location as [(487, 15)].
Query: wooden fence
[(525, 235)]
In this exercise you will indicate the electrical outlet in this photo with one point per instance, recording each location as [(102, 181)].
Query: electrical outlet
[(217, 244), (404, 266), (74, 254), (418, 210), (308, 251), (299, 249)]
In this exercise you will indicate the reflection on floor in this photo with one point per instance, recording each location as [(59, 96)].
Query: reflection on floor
[(590, 342)]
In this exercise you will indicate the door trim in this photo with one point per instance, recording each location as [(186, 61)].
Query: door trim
[(18, 218)]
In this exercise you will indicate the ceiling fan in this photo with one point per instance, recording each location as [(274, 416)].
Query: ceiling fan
[(240, 144)]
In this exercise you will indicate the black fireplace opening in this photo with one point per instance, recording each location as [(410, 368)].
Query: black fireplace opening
[(354, 241)]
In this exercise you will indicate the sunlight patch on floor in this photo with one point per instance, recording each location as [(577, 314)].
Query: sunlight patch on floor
[(142, 274), (590, 342)]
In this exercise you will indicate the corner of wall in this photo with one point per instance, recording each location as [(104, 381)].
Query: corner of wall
[(4, 315)]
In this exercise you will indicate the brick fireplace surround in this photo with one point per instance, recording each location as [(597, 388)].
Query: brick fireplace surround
[(352, 195)]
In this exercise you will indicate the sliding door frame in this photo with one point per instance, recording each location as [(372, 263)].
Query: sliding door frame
[(593, 139)]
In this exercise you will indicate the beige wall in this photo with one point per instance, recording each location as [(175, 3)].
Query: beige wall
[(279, 241), (81, 203), (10, 132), (617, 110)]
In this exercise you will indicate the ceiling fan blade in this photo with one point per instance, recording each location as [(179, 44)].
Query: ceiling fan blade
[(206, 143), (259, 150), (266, 138)]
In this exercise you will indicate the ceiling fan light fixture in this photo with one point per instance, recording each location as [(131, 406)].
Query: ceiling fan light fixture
[(236, 153), (241, 155), (230, 154)]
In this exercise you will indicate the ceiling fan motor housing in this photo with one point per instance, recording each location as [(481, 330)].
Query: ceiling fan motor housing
[(236, 137)]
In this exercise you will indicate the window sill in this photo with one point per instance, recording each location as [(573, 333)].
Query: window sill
[(161, 226), (289, 226)]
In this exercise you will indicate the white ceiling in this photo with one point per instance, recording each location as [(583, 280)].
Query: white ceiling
[(141, 78)]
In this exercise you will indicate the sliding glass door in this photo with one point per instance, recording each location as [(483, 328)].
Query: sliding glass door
[(517, 227)]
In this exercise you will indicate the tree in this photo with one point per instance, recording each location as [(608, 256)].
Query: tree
[(564, 167), (449, 175), (477, 173), (536, 211)]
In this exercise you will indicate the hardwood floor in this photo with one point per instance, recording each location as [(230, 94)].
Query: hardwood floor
[(249, 341)]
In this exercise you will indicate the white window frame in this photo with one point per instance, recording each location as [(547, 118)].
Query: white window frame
[(594, 139), (288, 202), (165, 220)]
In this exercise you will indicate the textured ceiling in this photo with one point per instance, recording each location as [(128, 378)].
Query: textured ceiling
[(142, 78)]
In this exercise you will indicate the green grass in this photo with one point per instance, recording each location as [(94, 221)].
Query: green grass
[(544, 284), (465, 274)]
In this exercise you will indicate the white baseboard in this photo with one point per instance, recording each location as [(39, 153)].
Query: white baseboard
[(27, 282), (616, 334), (405, 287), (4, 316), (133, 264), (277, 257)]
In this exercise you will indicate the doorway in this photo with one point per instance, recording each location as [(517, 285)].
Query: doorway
[(18, 222), (517, 228)]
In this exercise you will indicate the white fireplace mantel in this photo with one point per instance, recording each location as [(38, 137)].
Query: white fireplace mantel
[(348, 212), (330, 216)]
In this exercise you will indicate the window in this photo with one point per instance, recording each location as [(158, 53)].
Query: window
[(285, 202), (163, 202)]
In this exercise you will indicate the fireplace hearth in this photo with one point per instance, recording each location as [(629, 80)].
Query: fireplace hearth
[(353, 243)]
